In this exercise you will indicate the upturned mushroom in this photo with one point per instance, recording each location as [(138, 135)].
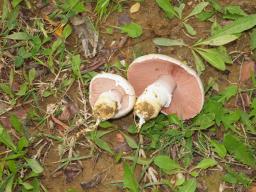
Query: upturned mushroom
[(110, 96), (164, 84)]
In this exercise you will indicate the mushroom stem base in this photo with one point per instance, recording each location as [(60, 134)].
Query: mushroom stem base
[(107, 105), (154, 98)]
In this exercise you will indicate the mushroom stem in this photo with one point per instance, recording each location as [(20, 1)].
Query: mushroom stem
[(156, 96), (107, 105)]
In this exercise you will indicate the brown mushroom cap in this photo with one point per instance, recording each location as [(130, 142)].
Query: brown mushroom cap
[(106, 82), (188, 97)]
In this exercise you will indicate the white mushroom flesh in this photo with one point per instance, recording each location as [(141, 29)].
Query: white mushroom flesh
[(154, 98), (107, 104)]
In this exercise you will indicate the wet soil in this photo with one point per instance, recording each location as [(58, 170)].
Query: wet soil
[(154, 24)]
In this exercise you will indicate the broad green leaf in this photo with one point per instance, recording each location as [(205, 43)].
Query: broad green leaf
[(239, 150), (233, 12), (253, 39), (6, 88), (132, 29), (189, 186), (103, 145), (198, 9), (12, 166), (238, 26), (229, 92), (23, 90), (219, 148), (213, 57), (230, 118), (9, 185), (16, 123), (75, 65), (165, 163), (224, 53), (23, 142), (215, 27), (16, 2), (219, 40), (35, 166), (204, 15), (130, 141), (200, 67), (26, 185), (67, 31), (5, 138), (105, 124), (204, 121), (19, 36), (174, 119), (130, 181), (167, 7), (206, 163), (216, 5), (189, 29), (179, 10), (56, 44), (237, 178), (31, 75), (168, 42)]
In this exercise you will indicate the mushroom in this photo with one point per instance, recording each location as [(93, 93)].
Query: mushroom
[(164, 84), (110, 96)]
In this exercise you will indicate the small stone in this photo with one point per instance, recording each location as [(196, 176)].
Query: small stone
[(135, 8)]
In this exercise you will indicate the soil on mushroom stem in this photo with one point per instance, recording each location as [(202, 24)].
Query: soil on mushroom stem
[(154, 24)]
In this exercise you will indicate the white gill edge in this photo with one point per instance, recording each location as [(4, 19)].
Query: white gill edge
[(177, 62), (122, 82)]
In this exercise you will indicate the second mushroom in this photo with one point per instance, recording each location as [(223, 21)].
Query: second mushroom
[(164, 84)]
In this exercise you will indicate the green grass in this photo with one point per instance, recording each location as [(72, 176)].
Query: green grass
[(220, 136)]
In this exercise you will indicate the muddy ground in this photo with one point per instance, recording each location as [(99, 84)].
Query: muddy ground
[(154, 24)]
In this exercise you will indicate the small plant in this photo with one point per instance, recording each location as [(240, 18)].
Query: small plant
[(216, 56), (172, 11), (16, 161)]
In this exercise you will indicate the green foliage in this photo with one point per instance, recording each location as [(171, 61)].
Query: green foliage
[(189, 186), (239, 150), (133, 30), (206, 163), (237, 178), (130, 181), (101, 7), (165, 163), (167, 7)]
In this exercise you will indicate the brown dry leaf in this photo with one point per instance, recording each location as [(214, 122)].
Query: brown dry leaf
[(60, 125), (135, 8), (246, 70), (58, 31), (96, 180), (70, 110)]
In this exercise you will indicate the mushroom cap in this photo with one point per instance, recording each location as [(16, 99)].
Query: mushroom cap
[(188, 97), (105, 82)]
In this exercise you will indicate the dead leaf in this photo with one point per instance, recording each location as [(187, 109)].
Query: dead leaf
[(62, 126), (96, 180), (69, 111), (72, 171), (58, 31), (246, 70), (135, 8)]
